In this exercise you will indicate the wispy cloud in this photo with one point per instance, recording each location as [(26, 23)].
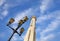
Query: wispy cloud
[(29, 12), (45, 4), (43, 18), (1, 2), (48, 29), (3, 10), (21, 15), (47, 38), (3, 14), (52, 15), (53, 25)]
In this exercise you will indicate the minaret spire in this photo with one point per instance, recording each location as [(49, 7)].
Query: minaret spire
[(30, 36)]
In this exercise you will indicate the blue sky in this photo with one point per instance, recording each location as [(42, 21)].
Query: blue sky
[(47, 13)]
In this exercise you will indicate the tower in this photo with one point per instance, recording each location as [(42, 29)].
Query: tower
[(30, 36)]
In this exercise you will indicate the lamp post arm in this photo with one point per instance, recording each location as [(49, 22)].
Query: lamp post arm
[(18, 27), (18, 33), (11, 28)]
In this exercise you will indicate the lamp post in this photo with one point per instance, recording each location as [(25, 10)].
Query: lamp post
[(19, 25)]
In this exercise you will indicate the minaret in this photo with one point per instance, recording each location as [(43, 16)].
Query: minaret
[(30, 36)]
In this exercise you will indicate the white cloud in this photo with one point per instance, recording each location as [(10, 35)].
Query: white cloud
[(28, 12), (4, 14), (47, 38), (45, 5), (53, 25), (1, 2), (6, 6), (43, 18), (54, 15)]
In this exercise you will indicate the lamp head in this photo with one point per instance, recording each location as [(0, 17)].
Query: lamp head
[(21, 30), (25, 18), (20, 22), (11, 21)]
